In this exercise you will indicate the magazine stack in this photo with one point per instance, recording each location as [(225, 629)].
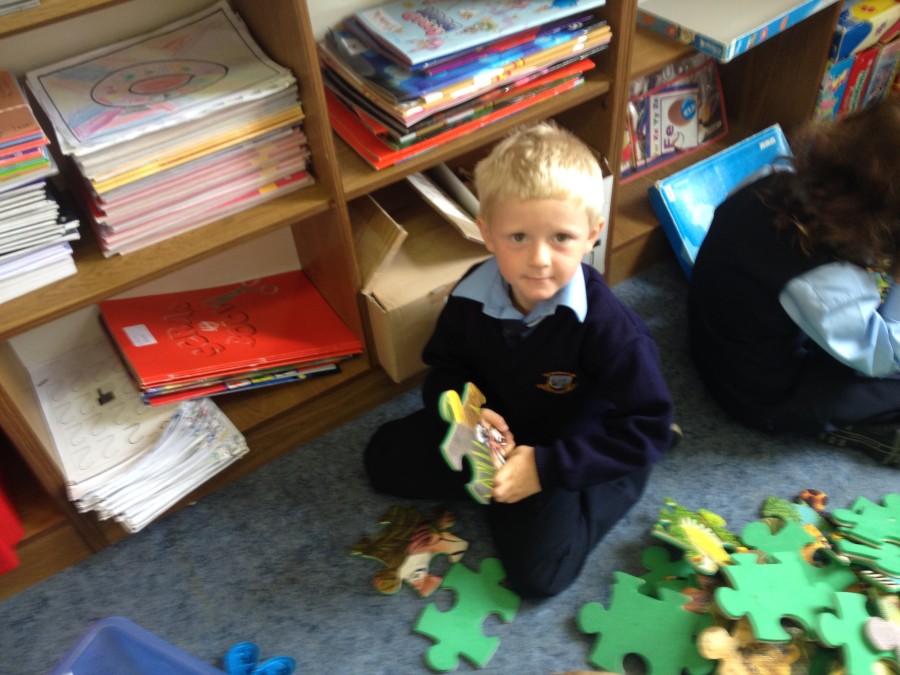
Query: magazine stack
[(176, 128), (34, 233), (405, 77)]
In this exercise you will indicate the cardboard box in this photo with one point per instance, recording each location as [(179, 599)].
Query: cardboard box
[(410, 258)]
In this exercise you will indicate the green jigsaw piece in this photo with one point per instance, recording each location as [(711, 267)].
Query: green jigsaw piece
[(884, 559), (790, 541), (869, 522), (766, 593), (846, 630), (458, 631), (624, 628), (666, 572)]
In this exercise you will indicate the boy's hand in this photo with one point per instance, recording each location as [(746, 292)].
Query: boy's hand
[(518, 477)]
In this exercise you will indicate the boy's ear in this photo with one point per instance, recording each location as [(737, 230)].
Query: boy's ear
[(483, 228), (594, 233)]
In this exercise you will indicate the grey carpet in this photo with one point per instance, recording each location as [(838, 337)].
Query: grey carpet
[(267, 560)]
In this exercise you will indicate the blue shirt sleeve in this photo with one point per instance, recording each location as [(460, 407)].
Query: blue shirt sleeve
[(839, 306)]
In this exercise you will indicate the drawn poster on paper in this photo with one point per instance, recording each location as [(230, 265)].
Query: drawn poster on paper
[(179, 72)]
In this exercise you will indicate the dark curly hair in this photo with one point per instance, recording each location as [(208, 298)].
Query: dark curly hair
[(843, 197)]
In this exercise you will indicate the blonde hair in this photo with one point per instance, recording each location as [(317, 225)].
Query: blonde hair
[(542, 161)]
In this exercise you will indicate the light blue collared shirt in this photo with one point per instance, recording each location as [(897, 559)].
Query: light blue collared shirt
[(839, 306), (487, 286)]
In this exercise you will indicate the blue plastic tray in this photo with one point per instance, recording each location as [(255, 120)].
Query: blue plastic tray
[(116, 646)]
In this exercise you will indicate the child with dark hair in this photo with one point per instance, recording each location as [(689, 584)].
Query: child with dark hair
[(793, 307), (563, 364)]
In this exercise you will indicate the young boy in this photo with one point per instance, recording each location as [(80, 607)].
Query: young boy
[(570, 375)]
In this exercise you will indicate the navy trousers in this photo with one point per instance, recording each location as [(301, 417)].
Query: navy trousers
[(542, 541)]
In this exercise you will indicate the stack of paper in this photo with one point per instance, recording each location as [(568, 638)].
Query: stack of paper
[(405, 77), (34, 235), (177, 128), (10, 6), (122, 459), (208, 341)]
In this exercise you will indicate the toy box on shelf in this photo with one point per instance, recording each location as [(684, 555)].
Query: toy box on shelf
[(672, 111), (863, 23)]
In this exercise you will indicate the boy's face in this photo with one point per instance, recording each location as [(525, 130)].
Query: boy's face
[(538, 243)]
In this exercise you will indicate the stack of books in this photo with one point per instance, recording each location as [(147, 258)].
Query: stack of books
[(187, 344), (174, 129), (34, 234), (121, 459), (407, 76)]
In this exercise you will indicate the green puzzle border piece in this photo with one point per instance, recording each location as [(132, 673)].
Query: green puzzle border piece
[(623, 629), (458, 631)]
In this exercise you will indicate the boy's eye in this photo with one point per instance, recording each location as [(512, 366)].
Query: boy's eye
[(518, 237), (562, 238)]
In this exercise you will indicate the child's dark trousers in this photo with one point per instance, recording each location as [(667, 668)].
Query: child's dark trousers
[(542, 541)]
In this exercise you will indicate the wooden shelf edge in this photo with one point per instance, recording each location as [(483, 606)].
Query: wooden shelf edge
[(49, 11), (100, 277)]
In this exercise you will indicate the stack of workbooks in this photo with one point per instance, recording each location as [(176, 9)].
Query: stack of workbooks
[(121, 459), (176, 128), (203, 342), (34, 235), (407, 76)]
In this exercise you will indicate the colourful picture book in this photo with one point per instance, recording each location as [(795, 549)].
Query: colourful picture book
[(401, 84), (686, 201), (831, 90), (416, 31), (399, 136), (724, 28), (181, 71), (882, 72), (181, 336), (379, 154), (857, 81), (19, 130)]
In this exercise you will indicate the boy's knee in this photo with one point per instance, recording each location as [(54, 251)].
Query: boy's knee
[(542, 580)]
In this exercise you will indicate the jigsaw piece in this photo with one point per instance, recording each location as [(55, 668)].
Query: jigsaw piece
[(458, 631), (846, 630), (623, 629), (869, 522), (766, 593), (702, 535), (468, 439), (405, 546)]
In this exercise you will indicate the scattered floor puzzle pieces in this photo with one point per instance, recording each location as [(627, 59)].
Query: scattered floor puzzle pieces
[(458, 632), (468, 439), (623, 629), (405, 546)]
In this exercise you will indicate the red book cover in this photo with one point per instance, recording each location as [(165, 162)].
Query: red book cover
[(276, 320)]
